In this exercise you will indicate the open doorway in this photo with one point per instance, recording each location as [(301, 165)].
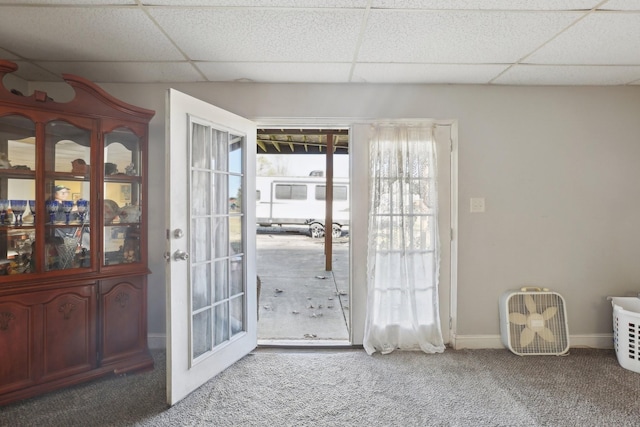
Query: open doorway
[(302, 215)]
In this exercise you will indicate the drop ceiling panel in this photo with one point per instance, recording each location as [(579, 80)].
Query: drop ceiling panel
[(129, 72), (456, 36), (31, 72), (487, 4), (71, 2), (376, 41), (69, 33), (276, 72), (621, 5), (600, 38), (4, 54), (426, 73), (569, 75), (263, 34), (262, 3)]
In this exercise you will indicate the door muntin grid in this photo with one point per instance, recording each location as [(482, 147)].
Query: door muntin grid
[(217, 234)]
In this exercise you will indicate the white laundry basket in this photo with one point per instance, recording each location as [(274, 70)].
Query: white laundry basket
[(626, 331)]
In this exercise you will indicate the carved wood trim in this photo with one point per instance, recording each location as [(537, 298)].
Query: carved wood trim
[(87, 93), (66, 309), (122, 299), (5, 318)]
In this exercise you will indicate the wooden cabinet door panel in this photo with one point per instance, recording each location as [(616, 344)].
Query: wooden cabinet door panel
[(124, 322), (16, 340), (69, 332)]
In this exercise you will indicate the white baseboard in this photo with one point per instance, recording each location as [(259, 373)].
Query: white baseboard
[(157, 341), (460, 342)]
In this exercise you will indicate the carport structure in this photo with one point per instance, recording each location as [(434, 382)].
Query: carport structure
[(309, 141)]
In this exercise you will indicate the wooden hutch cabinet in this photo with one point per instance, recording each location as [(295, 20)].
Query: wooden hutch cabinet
[(73, 238)]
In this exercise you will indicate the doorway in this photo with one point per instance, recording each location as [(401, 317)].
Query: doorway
[(302, 184)]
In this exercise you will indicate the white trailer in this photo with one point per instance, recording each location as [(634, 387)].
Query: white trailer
[(301, 201)]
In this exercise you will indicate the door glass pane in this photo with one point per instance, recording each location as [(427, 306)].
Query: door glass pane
[(200, 280), (68, 183), (235, 194), (201, 333), (237, 276), (235, 154), (235, 235), (220, 280), (236, 315), (201, 185), (221, 189), (220, 150), (221, 236), (216, 234), (17, 195), (221, 323), (201, 242), (200, 146)]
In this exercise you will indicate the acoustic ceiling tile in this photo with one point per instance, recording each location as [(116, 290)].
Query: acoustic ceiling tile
[(262, 3), (6, 55), (426, 73), (487, 4), (84, 34), (621, 5), (276, 72), (600, 38), (70, 2), (128, 72), (571, 75), (263, 35), (458, 36), (31, 72)]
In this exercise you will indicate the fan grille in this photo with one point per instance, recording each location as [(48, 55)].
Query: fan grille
[(544, 330)]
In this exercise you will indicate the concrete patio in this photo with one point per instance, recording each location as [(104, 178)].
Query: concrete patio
[(301, 303)]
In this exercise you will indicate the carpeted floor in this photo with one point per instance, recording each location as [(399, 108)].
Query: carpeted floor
[(275, 387)]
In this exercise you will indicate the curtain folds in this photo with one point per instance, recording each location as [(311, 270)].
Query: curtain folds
[(403, 251)]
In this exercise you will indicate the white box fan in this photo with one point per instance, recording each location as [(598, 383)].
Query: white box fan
[(533, 321)]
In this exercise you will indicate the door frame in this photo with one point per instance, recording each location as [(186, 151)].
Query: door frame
[(358, 177)]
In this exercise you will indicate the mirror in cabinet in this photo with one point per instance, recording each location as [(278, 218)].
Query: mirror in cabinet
[(123, 197)]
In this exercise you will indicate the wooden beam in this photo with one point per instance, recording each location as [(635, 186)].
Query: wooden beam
[(328, 216), (334, 132)]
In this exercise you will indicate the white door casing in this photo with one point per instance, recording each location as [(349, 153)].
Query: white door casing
[(208, 327)]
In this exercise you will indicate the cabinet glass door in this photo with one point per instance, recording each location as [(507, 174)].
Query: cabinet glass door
[(68, 192), (17, 194), (122, 197)]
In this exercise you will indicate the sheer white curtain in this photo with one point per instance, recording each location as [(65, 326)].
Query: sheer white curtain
[(403, 252)]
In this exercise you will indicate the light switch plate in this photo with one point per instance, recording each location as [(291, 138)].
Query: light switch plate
[(476, 204)]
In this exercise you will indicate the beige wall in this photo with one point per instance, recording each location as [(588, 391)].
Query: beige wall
[(558, 167)]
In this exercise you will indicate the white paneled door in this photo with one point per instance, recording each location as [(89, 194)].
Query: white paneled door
[(211, 267)]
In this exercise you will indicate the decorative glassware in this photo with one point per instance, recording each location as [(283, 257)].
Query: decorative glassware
[(52, 208), (67, 207), (18, 207), (4, 205), (83, 206), (32, 207)]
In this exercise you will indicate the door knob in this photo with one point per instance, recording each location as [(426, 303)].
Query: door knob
[(180, 255)]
